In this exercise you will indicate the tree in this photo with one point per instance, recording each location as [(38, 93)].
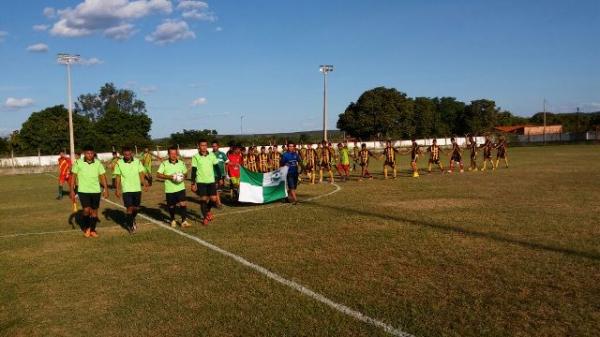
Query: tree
[(190, 138), (118, 128), (425, 117), (449, 116), (479, 117), (4, 146), (48, 130), (94, 106), (380, 112)]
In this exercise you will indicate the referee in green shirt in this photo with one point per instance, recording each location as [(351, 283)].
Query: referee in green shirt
[(129, 173), (174, 189), (88, 173), (203, 179)]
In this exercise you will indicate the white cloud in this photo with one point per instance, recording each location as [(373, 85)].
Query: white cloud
[(149, 89), (196, 10), (199, 15), (38, 48), (3, 35), (49, 12), (40, 28), (219, 29), (121, 32), (170, 31), (18, 103), (91, 61), (199, 101), (191, 4), (112, 17)]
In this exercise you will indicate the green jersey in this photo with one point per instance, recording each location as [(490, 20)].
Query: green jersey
[(205, 173), (130, 174), (169, 168), (220, 167), (344, 156), (88, 175)]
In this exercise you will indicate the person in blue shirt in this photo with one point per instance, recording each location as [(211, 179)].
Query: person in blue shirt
[(291, 158)]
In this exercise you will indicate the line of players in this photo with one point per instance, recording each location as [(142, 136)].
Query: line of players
[(324, 158)]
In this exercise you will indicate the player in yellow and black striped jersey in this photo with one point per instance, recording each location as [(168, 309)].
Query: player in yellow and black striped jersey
[(415, 151), (302, 164), (263, 160), (434, 156), (456, 156), (275, 159), (472, 146), (501, 152), (389, 155), (310, 163), (364, 155), (487, 153), (325, 161), (251, 160)]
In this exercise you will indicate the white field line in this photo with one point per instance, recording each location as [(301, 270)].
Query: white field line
[(291, 284), (294, 285), (14, 235)]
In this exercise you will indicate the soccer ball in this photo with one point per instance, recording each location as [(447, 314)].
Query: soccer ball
[(178, 178)]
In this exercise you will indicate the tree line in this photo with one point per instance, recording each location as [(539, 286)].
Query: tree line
[(110, 118), (382, 113)]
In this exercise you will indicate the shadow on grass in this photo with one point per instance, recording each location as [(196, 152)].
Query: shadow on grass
[(464, 231), (117, 216)]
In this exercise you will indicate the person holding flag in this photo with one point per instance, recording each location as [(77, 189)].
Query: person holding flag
[(88, 173), (291, 158), (129, 175)]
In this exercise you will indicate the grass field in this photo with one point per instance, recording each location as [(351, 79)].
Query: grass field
[(515, 252)]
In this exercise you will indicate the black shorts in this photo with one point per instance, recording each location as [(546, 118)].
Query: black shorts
[(89, 200), (389, 163), (132, 199), (292, 181), (206, 190), (175, 198), (456, 158), (434, 161)]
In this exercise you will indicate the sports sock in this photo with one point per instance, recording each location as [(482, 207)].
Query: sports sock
[(203, 207), (93, 221), (60, 191), (172, 212), (183, 210), (86, 222)]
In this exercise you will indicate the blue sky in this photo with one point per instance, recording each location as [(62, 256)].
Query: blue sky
[(203, 64)]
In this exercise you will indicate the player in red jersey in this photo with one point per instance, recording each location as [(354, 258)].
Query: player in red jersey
[(64, 172), (235, 159)]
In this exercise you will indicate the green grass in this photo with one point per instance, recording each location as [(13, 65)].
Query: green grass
[(515, 252)]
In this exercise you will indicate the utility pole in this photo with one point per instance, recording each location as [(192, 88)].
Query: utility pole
[(68, 59), (241, 125), (544, 121), (325, 69)]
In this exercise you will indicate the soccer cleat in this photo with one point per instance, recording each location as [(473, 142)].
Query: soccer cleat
[(205, 222), (87, 233), (93, 234), (210, 216), (174, 223), (415, 174), (185, 224), (462, 171)]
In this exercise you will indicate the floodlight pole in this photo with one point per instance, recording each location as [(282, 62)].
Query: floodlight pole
[(241, 125), (544, 121), (67, 60), (325, 69)]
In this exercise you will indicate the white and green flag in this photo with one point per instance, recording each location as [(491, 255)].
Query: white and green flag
[(261, 188)]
